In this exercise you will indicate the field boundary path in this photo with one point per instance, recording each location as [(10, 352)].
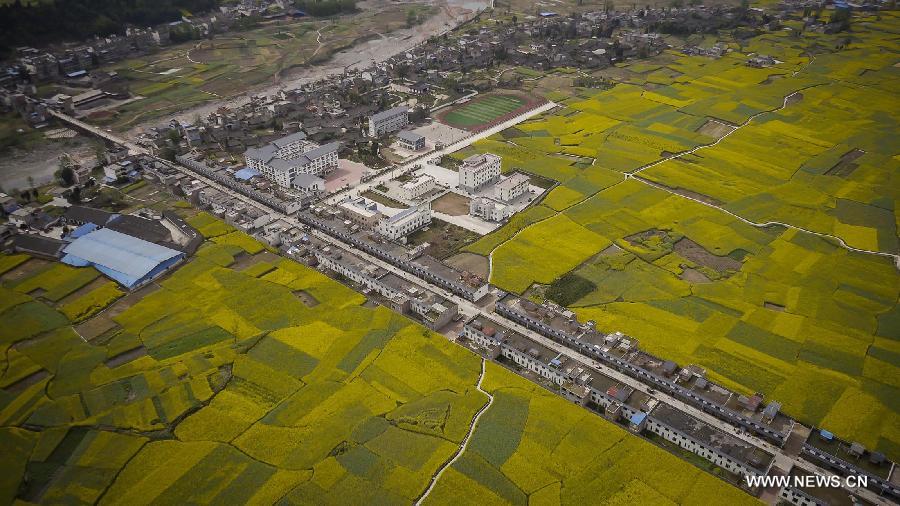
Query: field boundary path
[(634, 175), (782, 457), (406, 166), (465, 441)]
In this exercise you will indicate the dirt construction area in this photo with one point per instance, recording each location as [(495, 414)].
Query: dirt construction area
[(452, 204), (476, 264)]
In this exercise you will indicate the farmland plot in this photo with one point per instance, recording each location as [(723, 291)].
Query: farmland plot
[(763, 309)]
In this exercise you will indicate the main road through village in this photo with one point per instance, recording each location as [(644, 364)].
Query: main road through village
[(784, 459)]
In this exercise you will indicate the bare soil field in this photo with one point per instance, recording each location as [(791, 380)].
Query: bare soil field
[(694, 276), (452, 204), (444, 238), (94, 327), (692, 194), (846, 165), (698, 254), (715, 128), (307, 298), (471, 262), (793, 99), (24, 270), (250, 260)]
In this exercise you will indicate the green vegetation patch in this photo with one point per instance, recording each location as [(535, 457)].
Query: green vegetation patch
[(569, 288), (92, 302), (482, 110), (56, 281)]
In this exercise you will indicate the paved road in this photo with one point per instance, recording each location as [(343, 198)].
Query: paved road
[(99, 132), (782, 459), (387, 175)]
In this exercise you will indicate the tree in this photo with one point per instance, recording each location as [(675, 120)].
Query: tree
[(67, 176), (841, 18)]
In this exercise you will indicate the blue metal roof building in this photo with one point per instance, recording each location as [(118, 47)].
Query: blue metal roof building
[(82, 230), (127, 260), (246, 173)]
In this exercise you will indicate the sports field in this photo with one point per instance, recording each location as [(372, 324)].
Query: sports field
[(482, 111)]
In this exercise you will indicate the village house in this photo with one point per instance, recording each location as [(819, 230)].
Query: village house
[(477, 171), (417, 187)]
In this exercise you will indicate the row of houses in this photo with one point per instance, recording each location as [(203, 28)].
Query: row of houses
[(338, 224), (287, 204), (616, 350), (638, 411), (400, 295), (852, 459)]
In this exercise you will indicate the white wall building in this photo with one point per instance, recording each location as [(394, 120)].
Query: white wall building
[(308, 183), (489, 209), (282, 160), (512, 187), (361, 211), (404, 222), (479, 170), (411, 140), (419, 186), (388, 121)]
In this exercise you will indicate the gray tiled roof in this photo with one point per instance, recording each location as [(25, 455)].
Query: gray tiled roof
[(378, 116), (409, 136), (267, 154), (305, 180), (284, 141)]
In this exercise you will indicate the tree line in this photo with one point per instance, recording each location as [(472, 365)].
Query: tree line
[(326, 7), (44, 23)]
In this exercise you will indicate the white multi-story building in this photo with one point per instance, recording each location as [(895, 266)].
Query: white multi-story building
[(388, 121), (411, 140), (489, 209), (308, 183), (361, 211), (512, 187), (282, 160), (404, 222), (479, 170), (419, 186)]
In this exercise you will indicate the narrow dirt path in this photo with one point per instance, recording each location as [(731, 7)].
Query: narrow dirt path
[(320, 44), (465, 441), (635, 176)]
